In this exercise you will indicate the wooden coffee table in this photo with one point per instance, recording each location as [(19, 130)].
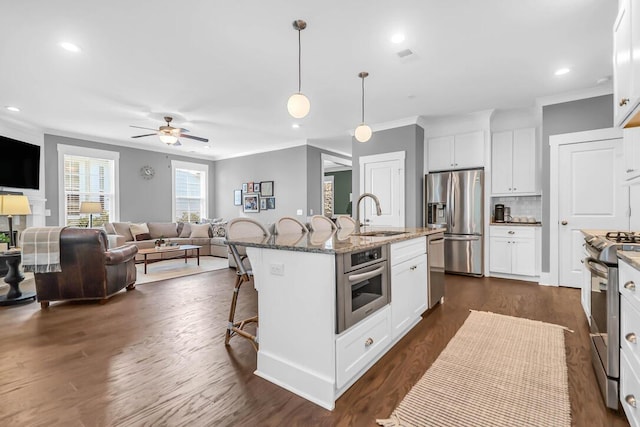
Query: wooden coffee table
[(164, 249)]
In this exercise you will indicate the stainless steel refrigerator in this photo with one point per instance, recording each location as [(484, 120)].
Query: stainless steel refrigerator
[(454, 200)]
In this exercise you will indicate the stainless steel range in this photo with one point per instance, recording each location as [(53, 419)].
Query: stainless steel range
[(602, 263)]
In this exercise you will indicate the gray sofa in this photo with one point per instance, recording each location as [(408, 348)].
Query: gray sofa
[(119, 234)]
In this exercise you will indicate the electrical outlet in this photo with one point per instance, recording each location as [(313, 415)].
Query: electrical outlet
[(299, 212), (310, 211), (277, 269)]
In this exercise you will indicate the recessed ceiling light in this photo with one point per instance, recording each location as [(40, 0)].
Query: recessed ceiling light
[(207, 147), (562, 71), (295, 126), (397, 38), (14, 109), (70, 47)]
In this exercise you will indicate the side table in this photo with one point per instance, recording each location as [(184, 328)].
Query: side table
[(13, 278)]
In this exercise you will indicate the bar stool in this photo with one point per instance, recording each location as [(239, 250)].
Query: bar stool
[(322, 223), (345, 222), (241, 228), (290, 225)]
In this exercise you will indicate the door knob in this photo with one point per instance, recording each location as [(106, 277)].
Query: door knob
[(631, 337), (630, 399), (564, 223), (623, 101), (630, 286)]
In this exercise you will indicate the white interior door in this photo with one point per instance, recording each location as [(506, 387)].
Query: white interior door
[(383, 176), (590, 196)]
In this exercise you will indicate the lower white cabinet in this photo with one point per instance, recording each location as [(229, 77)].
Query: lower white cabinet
[(585, 292), (629, 287), (514, 250), (408, 284)]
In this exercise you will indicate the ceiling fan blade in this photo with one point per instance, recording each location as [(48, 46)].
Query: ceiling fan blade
[(184, 130), (140, 127), (140, 136), (197, 138)]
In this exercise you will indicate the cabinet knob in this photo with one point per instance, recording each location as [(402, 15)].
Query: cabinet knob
[(624, 101), (630, 170), (514, 188), (509, 188), (630, 399), (630, 286), (631, 337), (512, 232), (564, 223), (413, 267), (368, 342)]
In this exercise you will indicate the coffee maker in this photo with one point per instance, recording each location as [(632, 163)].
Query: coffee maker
[(498, 213)]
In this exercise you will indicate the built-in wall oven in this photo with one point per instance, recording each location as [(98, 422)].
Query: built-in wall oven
[(363, 285)]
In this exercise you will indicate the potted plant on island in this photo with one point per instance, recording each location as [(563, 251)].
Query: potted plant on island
[(4, 242)]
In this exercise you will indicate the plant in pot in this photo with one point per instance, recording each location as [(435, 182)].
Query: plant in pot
[(4, 242), (160, 242)]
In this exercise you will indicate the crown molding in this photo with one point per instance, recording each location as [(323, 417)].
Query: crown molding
[(592, 92), (375, 127)]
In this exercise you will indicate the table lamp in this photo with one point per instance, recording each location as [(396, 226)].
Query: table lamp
[(12, 204), (90, 208)]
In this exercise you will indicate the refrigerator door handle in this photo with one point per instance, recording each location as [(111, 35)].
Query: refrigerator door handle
[(462, 238), (454, 184)]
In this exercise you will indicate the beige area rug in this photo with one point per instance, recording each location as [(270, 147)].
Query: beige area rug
[(170, 268), (496, 371)]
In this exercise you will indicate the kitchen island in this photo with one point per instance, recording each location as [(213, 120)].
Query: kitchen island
[(305, 346)]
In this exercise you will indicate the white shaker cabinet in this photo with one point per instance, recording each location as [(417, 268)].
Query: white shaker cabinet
[(514, 251), (460, 151), (514, 168), (626, 64), (585, 292), (408, 284), (629, 281), (631, 147)]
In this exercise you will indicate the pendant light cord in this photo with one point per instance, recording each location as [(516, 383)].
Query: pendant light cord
[(362, 99), (299, 66)]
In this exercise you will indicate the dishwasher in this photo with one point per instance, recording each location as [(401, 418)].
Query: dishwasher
[(435, 268)]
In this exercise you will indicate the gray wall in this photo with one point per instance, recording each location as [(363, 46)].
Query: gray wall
[(574, 116), (314, 178), (342, 181), (286, 168), (409, 139), (140, 199)]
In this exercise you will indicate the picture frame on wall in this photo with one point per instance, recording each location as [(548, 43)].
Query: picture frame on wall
[(266, 188), (249, 187), (250, 202), (245, 187), (237, 197), (256, 187), (271, 202), (263, 204)]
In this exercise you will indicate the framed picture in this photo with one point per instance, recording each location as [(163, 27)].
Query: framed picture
[(271, 202), (266, 188), (237, 197), (245, 187), (250, 202), (263, 204), (249, 187), (256, 187)]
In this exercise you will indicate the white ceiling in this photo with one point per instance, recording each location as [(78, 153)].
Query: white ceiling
[(224, 69)]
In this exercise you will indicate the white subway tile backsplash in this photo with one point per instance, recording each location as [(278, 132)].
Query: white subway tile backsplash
[(520, 205)]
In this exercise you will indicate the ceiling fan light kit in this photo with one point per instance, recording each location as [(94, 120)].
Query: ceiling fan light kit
[(298, 104), (169, 134), (363, 132)]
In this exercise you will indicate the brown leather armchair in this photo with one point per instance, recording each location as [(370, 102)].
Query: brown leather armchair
[(89, 269)]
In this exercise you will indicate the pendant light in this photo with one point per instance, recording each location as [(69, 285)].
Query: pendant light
[(363, 132), (298, 104)]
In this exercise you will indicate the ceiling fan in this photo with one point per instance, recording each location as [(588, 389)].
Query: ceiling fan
[(169, 134)]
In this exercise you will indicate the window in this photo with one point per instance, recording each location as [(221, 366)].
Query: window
[(87, 175), (190, 199)]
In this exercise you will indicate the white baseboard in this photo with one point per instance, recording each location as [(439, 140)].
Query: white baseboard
[(545, 279)]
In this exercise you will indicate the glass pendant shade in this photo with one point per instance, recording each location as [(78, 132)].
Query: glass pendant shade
[(363, 133), (167, 138), (298, 105)]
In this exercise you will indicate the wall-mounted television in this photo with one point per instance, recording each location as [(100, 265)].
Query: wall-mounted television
[(19, 164)]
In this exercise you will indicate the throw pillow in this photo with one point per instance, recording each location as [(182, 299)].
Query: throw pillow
[(186, 230), (218, 230), (137, 229), (199, 230), (142, 236)]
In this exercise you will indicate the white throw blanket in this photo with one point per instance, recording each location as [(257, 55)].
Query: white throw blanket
[(41, 249)]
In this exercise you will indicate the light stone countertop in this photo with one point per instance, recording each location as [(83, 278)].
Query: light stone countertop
[(631, 257), (516, 224), (333, 242)]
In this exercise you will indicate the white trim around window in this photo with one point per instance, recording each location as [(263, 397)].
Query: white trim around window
[(177, 164)]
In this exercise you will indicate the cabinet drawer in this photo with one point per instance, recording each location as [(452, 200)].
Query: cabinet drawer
[(629, 284), (505, 231), (358, 346), (630, 330), (404, 251), (630, 389)]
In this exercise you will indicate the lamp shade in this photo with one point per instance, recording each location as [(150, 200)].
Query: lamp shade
[(14, 205), (363, 133), (298, 105), (90, 207), (167, 138)]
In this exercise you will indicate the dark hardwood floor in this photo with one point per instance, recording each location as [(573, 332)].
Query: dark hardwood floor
[(156, 356)]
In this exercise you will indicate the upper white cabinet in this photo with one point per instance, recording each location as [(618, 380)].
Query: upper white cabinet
[(461, 151), (626, 65), (514, 168)]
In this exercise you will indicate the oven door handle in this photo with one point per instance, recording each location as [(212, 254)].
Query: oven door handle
[(365, 276), (588, 264)]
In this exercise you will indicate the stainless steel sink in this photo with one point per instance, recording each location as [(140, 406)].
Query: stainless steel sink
[(381, 233)]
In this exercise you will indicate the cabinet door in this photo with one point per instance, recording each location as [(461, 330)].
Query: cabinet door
[(631, 147), (418, 301), (622, 76), (524, 161), (585, 293), (501, 155), (523, 257), (401, 312), (500, 255), (468, 151), (440, 153)]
